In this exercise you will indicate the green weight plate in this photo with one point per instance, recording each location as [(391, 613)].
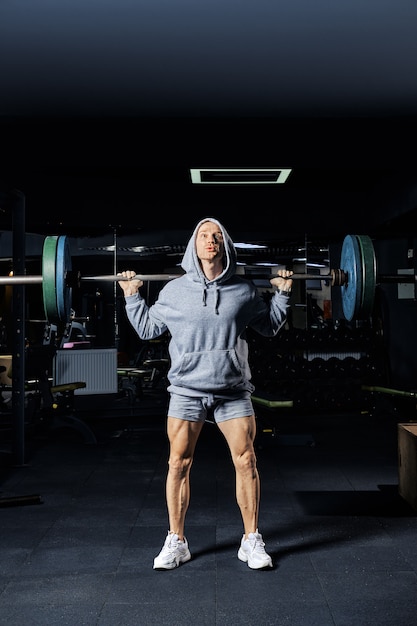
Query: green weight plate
[(63, 265), (49, 278), (56, 262), (368, 274), (351, 264)]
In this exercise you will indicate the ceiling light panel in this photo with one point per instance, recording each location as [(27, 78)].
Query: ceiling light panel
[(239, 176)]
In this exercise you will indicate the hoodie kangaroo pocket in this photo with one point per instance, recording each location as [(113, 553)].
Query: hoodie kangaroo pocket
[(211, 371)]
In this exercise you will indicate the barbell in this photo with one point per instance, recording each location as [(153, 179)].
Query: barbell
[(357, 279)]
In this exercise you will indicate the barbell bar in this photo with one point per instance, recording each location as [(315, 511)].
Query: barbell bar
[(27, 279), (357, 279), (331, 277)]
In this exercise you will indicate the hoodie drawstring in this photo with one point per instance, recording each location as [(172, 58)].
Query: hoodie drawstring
[(216, 297)]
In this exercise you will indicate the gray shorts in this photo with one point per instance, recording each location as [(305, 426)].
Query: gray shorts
[(201, 408)]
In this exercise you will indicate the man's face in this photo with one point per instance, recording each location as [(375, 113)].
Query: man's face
[(209, 242)]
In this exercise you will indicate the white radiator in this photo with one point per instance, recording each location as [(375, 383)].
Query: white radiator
[(96, 367), (329, 355)]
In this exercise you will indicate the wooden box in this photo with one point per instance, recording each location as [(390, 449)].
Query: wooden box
[(6, 361), (407, 463)]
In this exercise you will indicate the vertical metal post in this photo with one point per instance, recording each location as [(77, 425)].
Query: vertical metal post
[(115, 312), (18, 327)]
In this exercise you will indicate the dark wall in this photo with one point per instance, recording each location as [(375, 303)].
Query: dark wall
[(398, 310)]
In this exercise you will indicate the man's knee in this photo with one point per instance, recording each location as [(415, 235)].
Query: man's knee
[(179, 465), (246, 462)]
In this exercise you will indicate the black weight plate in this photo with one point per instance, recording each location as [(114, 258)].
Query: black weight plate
[(368, 261)]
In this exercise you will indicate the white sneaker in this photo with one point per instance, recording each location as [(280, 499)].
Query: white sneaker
[(252, 551), (173, 553)]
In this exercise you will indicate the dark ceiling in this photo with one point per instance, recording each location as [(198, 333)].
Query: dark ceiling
[(105, 108)]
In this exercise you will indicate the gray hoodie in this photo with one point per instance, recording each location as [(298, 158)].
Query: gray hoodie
[(207, 322)]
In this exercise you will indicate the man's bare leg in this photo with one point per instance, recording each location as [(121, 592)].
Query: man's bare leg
[(240, 434), (183, 436)]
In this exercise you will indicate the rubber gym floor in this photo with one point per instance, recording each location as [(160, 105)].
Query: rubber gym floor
[(82, 522)]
